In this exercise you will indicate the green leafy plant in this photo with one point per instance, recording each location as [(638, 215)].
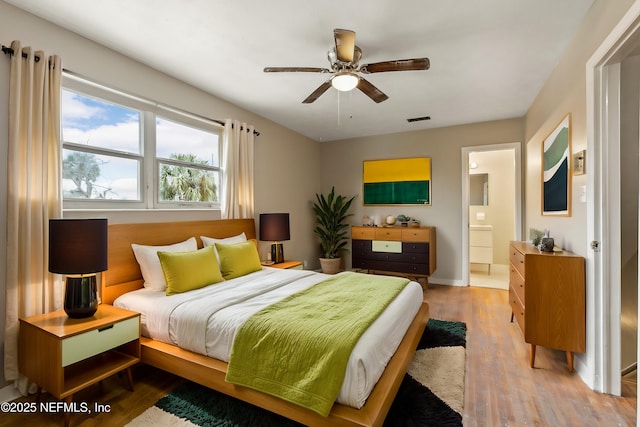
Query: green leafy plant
[(331, 212)]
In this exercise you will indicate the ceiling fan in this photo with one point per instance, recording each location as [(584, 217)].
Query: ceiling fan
[(344, 59)]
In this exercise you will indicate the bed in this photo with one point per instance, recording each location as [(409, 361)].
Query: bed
[(123, 276)]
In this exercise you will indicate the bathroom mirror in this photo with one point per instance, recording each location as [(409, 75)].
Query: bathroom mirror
[(479, 189)]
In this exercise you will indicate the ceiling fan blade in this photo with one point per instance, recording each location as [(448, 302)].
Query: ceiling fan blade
[(416, 64), (371, 91), (295, 70), (316, 93), (345, 44)]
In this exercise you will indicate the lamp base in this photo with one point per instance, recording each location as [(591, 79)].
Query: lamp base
[(277, 254), (80, 296)]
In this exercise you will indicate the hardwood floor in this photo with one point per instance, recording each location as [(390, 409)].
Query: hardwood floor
[(500, 388)]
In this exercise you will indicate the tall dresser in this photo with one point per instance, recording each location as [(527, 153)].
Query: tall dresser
[(406, 251), (547, 298)]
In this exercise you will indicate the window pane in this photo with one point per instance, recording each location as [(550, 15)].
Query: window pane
[(187, 184), (97, 123), (93, 176), (175, 140)]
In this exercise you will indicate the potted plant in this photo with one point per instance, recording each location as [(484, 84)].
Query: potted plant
[(331, 213)]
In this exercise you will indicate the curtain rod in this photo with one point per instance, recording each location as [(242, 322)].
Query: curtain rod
[(9, 51)]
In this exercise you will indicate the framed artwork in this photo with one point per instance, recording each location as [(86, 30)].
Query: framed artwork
[(556, 170), (397, 181)]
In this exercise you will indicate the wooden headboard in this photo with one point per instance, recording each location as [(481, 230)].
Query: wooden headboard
[(123, 273)]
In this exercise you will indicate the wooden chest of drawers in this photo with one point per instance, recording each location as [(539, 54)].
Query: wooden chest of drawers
[(547, 298), (400, 250)]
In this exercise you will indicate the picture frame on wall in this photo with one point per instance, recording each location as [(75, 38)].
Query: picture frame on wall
[(556, 170), (404, 181)]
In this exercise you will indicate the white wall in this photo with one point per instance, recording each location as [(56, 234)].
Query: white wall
[(342, 167)]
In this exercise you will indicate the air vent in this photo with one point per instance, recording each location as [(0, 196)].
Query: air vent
[(419, 119)]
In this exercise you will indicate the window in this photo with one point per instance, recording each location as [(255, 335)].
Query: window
[(124, 152)]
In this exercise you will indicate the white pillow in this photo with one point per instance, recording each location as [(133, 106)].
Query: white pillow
[(210, 241), (147, 257)]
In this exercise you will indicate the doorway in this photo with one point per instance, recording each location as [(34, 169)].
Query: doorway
[(491, 212), (613, 105)]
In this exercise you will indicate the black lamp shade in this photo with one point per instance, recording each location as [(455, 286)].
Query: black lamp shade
[(77, 246), (274, 227)]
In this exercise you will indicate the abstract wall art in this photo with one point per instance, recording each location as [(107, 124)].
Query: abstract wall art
[(556, 170), (397, 181)]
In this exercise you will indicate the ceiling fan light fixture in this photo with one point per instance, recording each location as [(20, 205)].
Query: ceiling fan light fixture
[(345, 81)]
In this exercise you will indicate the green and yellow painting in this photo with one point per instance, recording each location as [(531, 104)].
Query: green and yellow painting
[(397, 181)]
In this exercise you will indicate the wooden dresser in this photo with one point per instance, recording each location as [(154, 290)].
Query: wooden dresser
[(547, 298), (405, 251)]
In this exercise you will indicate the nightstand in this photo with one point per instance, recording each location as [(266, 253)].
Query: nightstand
[(293, 265), (64, 355)]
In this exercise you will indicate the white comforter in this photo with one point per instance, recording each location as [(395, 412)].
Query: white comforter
[(205, 321)]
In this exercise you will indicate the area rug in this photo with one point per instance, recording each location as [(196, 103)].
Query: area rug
[(431, 393)]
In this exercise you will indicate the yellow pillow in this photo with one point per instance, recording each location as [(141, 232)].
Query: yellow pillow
[(238, 259), (185, 271)]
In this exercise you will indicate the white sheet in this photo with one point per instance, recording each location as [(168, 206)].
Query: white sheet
[(205, 321)]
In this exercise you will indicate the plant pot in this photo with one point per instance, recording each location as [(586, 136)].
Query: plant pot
[(330, 265)]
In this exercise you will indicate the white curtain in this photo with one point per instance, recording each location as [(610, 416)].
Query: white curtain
[(237, 191), (33, 194)]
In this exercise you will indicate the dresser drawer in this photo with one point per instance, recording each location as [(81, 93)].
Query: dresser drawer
[(517, 308), (386, 246), (96, 341), (416, 247), (396, 267), (415, 234), (516, 282), (363, 233), (382, 233), (516, 258), (361, 246)]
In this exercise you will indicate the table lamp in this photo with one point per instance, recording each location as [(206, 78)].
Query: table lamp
[(78, 249), (274, 227)]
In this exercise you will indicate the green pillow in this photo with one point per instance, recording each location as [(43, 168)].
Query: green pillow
[(185, 271), (238, 259)]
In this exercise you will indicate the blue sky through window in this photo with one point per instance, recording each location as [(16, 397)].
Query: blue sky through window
[(96, 123)]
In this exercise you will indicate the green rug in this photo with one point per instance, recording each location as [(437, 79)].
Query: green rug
[(431, 393)]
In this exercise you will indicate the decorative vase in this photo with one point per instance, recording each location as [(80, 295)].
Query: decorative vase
[(546, 244), (330, 265)]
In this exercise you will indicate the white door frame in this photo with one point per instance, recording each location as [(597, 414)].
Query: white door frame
[(603, 202), (517, 149)]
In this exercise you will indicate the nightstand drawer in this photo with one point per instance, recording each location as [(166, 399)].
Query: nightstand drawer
[(96, 341)]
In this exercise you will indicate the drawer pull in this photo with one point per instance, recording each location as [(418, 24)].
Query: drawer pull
[(105, 328)]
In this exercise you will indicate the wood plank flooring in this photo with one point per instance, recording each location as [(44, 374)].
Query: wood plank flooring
[(500, 387), (500, 390)]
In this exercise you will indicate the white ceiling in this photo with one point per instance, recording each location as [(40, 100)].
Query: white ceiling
[(489, 58)]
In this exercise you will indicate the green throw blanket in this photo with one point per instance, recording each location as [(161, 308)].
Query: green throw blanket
[(298, 348)]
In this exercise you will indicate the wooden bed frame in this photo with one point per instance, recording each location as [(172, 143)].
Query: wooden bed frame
[(123, 275)]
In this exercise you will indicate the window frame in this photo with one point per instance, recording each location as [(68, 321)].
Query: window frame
[(149, 164)]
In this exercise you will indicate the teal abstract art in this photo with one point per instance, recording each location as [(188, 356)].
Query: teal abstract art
[(556, 173)]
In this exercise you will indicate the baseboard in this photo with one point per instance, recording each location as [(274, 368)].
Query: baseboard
[(447, 282), (9, 393)]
